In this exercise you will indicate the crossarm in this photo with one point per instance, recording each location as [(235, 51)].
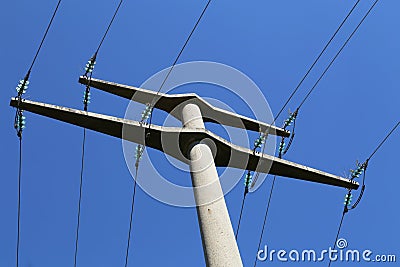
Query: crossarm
[(164, 138), (171, 102)]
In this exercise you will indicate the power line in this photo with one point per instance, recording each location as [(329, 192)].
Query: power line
[(89, 69), (337, 54), (325, 71), (80, 197), (44, 36), (138, 155), (348, 199), (337, 235), (19, 124), (86, 100), (23, 84), (148, 111), (315, 85), (19, 199), (247, 181), (298, 87), (178, 56), (355, 174), (309, 70), (364, 165), (240, 216), (92, 61), (384, 140), (331, 62), (131, 216), (316, 60), (109, 26), (265, 217), (146, 114)]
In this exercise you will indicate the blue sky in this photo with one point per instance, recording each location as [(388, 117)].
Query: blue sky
[(273, 42)]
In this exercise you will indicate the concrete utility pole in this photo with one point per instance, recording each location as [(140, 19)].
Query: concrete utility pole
[(219, 244), (220, 248)]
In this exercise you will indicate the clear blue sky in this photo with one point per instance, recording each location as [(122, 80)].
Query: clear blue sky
[(273, 42)]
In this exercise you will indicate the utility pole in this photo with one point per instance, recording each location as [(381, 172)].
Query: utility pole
[(219, 244)]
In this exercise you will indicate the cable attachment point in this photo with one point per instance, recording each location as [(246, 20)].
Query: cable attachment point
[(139, 152), (90, 65), (146, 112), (347, 201), (247, 182), (359, 170), (20, 122), (259, 141), (88, 74), (291, 119), (20, 119), (283, 148), (22, 87), (86, 98)]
